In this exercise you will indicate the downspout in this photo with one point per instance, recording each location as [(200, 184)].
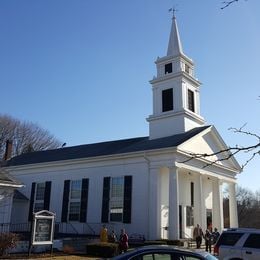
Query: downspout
[(148, 212)]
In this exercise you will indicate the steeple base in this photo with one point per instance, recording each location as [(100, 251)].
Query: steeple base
[(168, 125)]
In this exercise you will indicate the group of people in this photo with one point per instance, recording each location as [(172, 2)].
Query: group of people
[(210, 237), (112, 238)]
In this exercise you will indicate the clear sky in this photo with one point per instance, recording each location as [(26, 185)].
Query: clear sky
[(81, 68)]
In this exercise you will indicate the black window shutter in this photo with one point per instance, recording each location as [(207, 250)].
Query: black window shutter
[(105, 201), (31, 201), (84, 200), (47, 195), (65, 201), (127, 200)]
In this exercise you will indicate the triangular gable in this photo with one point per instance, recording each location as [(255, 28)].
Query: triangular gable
[(209, 142)]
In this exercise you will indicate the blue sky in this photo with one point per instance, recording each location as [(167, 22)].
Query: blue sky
[(81, 69)]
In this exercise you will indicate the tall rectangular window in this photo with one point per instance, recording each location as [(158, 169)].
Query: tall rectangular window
[(74, 200), (192, 194), (191, 104), (117, 199), (189, 216), (39, 197), (167, 100)]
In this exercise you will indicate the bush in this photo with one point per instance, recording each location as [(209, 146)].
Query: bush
[(102, 249), (7, 241)]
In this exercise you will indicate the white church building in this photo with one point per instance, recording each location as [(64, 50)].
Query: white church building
[(147, 184)]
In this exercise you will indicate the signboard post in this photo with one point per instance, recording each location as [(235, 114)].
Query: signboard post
[(42, 229)]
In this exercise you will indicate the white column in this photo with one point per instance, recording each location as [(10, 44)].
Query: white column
[(233, 206), (173, 204), (202, 204), (154, 204), (217, 220)]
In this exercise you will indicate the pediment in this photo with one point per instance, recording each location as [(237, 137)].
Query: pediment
[(210, 142)]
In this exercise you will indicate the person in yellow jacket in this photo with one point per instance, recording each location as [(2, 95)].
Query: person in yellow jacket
[(103, 234)]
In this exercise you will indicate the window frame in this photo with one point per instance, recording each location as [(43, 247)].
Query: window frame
[(37, 200), (191, 100), (73, 200), (116, 199), (168, 68), (167, 100), (189, 216)]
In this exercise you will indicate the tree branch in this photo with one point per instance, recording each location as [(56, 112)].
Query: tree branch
[(226, 154), (228, 3)]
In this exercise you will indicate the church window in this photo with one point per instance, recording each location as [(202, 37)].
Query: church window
[(117, 199), (40, 197), (167, 100), (187, 68), (192, 194), (191, 104), (189, 216), (75, 200), (168, 68), (74, 203)]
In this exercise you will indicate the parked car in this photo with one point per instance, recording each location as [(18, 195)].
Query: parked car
[(238, 244), (165, 253)]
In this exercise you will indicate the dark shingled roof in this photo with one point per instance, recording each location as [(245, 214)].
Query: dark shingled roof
[(104, 148)]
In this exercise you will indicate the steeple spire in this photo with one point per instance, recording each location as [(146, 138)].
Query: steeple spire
[(176, 91), (174, 45)]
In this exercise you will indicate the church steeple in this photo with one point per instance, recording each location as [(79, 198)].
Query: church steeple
[(174, 45), (176, 97)]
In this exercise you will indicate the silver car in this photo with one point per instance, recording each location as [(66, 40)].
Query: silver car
[(165, 253)]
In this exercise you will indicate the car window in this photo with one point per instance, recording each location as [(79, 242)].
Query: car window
[(184, 256), (229, 239), (153, 257), (253, 241)]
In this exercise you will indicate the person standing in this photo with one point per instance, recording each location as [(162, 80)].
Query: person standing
[(208, 240), (215, 235), (197, 235), (112, 237), (103, 234), (123, 242)]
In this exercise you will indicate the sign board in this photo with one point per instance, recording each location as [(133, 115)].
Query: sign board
[(43, 228)]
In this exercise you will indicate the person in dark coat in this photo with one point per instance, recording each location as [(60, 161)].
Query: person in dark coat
[(123, 242), (197, 235)]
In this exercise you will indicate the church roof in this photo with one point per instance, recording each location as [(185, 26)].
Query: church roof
[(104, 148)]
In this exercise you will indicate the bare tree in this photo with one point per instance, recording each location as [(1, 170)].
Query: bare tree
[(248, 208), (26, 136)]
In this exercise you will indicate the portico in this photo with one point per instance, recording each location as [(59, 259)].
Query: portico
[(180, 198)]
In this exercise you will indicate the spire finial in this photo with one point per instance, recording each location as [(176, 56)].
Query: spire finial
[(173, 10)]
